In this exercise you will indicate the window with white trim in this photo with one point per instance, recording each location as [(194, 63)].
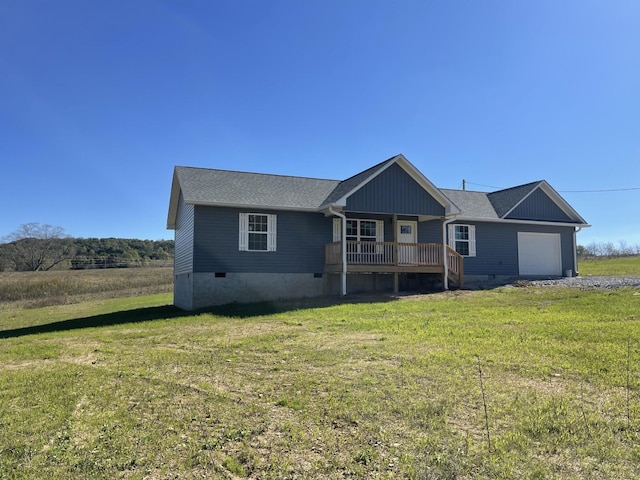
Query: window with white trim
[(257, 232), (462, 238), (359, 232)]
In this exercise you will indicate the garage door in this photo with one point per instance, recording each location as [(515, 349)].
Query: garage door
[(539, 254)]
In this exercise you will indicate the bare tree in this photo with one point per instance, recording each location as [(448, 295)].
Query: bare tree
[(36, 246)]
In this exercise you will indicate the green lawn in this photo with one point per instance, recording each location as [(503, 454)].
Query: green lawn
[(371, 388), (611, 266)]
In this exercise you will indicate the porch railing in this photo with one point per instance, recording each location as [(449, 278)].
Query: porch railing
[(396, 254), (385, 253)]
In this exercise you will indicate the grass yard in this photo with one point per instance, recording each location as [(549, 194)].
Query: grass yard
[(617, 266), (371, 388)]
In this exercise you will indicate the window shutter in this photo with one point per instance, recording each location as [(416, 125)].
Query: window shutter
[(243, 234), (337, 229), (472, 240), (271, 233), (452, 236)]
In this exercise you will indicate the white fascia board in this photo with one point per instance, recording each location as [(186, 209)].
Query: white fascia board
[(561, 202), (450, 207), (173, 202), (343, 200), (522, 222), (520, 202)]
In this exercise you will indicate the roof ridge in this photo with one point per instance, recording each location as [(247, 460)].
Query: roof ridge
[(517, 186), (244, 172), (461, 190), (377, 165)]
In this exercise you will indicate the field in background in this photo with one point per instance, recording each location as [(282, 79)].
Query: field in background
[(526, 383), (618, 266), (59, 287)]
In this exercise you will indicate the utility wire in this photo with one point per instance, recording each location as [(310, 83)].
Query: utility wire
[(565, 191), (598, 191)]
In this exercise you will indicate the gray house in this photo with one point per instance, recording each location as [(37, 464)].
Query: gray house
[(243, 237)]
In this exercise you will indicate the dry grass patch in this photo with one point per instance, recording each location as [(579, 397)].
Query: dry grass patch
[(61, 287)]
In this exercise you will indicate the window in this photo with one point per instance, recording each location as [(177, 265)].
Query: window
[(362, 231), (462, 238), (359, 233), (257, 232)]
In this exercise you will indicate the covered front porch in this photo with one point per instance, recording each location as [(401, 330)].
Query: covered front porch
[(394, 257)]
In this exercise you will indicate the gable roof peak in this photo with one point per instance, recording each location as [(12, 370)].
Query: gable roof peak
[(527, 185), (352, 184)]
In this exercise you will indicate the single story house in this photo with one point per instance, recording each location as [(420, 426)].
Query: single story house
[(242, 237)]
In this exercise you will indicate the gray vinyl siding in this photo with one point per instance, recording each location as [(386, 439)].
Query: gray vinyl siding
[(538, 206), (497, 248), (430, 232), (394, 191), (183, 257), (301, 238)]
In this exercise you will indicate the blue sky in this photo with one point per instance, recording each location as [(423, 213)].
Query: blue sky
[(99, 100)]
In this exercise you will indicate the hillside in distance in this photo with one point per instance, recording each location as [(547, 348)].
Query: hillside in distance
[(82, 253)]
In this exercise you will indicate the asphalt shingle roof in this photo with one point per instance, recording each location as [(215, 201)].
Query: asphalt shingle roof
[(472, 204), (208, 186), (503, 201), (352, 182), (204, 186)]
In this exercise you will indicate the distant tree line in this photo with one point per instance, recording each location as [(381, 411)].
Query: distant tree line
[(608, 249), (38, 247), (119, 252)]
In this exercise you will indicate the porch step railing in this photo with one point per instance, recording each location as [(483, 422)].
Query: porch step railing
[(455, 265)]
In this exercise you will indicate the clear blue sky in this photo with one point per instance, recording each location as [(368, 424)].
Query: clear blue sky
[(100, 99)]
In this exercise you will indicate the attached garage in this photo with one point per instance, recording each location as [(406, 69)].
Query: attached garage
[(539, 254)]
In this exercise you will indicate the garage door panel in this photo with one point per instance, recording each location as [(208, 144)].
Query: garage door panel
[(539, 254)]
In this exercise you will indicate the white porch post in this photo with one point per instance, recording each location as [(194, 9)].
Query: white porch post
[(343, 246)]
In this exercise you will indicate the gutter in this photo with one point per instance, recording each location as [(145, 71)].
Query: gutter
[(445, 257), (343, 239), (575, 249)]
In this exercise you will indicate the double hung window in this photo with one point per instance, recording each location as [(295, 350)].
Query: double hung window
[(361, 231), (363, 237), (257, 232), (462, 238)]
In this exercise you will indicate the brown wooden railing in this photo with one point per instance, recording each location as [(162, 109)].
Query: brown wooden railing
[(396, 254), (456, 266), (385, 253)]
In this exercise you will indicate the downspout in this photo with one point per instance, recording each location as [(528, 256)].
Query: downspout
[(575, 249), (343, 240), (445, 256)]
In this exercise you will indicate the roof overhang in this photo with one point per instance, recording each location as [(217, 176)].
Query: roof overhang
[(462, 218), (173, 202)]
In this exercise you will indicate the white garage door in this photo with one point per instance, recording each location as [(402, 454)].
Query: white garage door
[(539, 254)]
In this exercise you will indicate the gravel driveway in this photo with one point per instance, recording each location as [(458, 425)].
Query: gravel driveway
[(590, 282)]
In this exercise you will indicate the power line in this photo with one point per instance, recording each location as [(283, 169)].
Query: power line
[(481, 185), (565, 191), (602, 190)]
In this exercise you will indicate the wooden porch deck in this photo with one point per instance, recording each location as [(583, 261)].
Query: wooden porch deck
[(393, 257)]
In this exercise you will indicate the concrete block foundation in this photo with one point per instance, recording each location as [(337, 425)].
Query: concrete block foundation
[(211, 289)]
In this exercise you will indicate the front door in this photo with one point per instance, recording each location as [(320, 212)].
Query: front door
[(407, 236)]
